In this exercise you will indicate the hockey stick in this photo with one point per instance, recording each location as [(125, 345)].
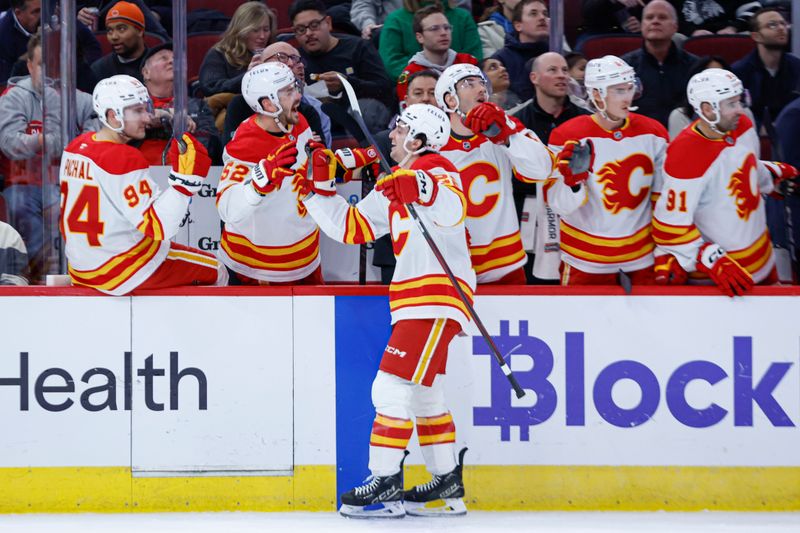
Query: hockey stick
[(355, 112)]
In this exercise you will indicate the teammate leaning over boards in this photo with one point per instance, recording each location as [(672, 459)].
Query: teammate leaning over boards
[(114, 220), (606, 212), (486, 163), (711, 220), (268, 237), (426, 312)]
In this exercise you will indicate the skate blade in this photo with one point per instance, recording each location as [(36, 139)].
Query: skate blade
[(446, 507), (381, 510)]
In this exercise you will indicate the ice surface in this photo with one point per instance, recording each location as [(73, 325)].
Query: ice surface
[(544, 522)]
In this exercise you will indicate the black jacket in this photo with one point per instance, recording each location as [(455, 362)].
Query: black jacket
[(769, 93), (663, 85)]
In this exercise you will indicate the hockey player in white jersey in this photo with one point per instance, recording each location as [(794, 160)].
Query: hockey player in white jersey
[(710, 220), (489, 149), (115, 221), (606, 210), (425, 308)]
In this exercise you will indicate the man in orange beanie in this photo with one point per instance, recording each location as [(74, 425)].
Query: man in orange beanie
[(125, 32)]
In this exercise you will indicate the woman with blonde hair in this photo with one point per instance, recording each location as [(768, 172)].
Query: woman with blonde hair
[(251, 29)]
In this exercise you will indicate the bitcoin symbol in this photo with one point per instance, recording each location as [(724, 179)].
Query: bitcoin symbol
[(500, 413)]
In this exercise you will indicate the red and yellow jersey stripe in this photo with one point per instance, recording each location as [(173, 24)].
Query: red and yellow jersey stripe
[(428, 290), (119, 268), (279, 258), (151, 225), (605, 250), (501, 252), (669, 235), (357, 228)]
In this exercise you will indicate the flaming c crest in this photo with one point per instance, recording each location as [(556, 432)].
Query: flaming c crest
[(615, 177), (740, 188)]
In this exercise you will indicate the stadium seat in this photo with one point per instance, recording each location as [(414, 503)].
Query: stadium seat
[(617, 44), (572, 20), (197, 45), (150, 39), (731, 48), (226, 8), (344, 142), (282, 8)]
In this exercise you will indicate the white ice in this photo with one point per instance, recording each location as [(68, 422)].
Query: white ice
[(543, 522)]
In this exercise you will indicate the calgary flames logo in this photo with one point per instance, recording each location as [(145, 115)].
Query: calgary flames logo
[(740, 187), (615, 177), (298, 189)]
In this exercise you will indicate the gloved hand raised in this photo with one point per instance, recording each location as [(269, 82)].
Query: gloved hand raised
[(190, 164), (270, 172), (408, 186)]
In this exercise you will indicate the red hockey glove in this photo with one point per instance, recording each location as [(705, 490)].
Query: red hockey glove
[(407, 186), (351, 159), (668, 271), (491, 120), (784, 177), (190, 164), (322, 173), (269, 173), (575, 162), (729, 276)]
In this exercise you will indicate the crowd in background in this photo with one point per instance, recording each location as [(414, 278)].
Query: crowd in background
[(391, 52)]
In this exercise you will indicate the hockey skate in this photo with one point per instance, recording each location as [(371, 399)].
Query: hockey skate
[(379, 497), (441, 496)]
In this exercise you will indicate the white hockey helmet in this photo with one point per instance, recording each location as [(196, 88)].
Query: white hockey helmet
[(446, 84), (712, 85), (427, 120), (603, 72), (117, 93), (264, 81)]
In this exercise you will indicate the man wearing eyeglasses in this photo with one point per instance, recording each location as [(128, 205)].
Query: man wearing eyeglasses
[(327, 55), (310, 107), (769, 73), (434, 33)]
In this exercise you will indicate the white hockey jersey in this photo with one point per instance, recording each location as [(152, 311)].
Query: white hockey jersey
[(606, 224), (486, 171), (115, 222), (419, 288), (268, 238), (712, 193)]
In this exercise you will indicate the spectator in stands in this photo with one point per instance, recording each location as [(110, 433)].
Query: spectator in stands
[(326, 55), (499, 81), (158, 75), (682, 116), (434, 33), (771, 74), (13, 257), (531, 20), (550, 107), (368, 15), (18, 23), (398, 41), (125, 31), (22, 140), (707, 17), (495, 25), (252, 29), (310, 107), (662, 67), (787, 127), (601, 17), (96, 20)]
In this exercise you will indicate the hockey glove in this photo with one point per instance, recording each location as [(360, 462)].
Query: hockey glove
[(668, 271), (269, 173), (190, 164), (729, 276), (351, 159), (575, 161), (321, 177), (407, 186), (784, 177), (491, 120)]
